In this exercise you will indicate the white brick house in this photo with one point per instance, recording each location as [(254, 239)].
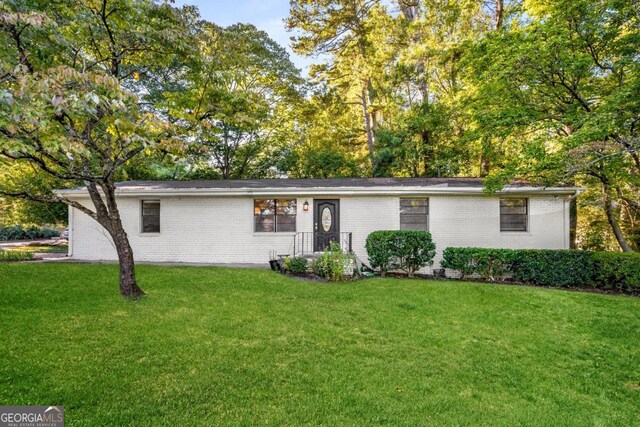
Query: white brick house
[(245, 221)]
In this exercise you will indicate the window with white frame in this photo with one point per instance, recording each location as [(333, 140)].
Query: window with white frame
[(150, 216)]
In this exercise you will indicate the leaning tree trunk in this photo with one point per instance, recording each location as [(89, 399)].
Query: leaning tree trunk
[(613, 222), (108, 215), (128, 286)]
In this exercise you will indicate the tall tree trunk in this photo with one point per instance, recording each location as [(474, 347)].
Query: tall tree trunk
[(367, 125), (487, 144), (498, 15), (427, 156), (485, 157), (613, 222)]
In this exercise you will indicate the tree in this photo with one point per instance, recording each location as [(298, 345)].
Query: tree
[(234, 94), (352, 36), (72, 108), (562, 86)]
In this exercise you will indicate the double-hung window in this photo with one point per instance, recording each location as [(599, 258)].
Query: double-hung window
[(274, 215), (151, 216), (414, 214), (514, 214)]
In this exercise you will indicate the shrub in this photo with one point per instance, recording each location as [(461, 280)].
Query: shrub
[(296, 265), (332, 263), (380, 249), (489, 264), (405, 250), (18, 232), (616, 270), (561, 268), (537, 267), (15, 255)]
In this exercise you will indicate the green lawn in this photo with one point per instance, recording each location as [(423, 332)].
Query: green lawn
[(213, 346)]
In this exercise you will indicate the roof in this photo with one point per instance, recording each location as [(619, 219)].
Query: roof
[(304, 183), (337, 186)]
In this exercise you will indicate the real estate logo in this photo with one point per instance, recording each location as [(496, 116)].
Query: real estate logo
[(31, 416)]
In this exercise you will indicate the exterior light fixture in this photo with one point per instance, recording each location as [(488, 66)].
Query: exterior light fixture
[(305, 206)]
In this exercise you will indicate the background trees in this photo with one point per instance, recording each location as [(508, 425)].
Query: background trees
[(546, 91)]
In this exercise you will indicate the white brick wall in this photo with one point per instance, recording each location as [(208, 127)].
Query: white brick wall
[(220, 229)]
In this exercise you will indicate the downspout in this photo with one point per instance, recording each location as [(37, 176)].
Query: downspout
[(71, 233), (564, 217)]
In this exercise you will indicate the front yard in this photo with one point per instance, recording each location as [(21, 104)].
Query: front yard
[(214, 346)]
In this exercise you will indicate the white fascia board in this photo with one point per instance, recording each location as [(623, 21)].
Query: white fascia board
[(325, 191)]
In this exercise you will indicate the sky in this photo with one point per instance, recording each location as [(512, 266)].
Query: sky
[(266, 15)]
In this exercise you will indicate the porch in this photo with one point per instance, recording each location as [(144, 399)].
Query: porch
[(311, 242)]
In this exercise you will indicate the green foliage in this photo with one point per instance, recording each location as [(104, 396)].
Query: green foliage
[(405, 250), (296, 265), (380, 246), (558, 268), (19, 211), (15, 255), (615, 270), (490, 264), (332, 263), (561, 268), (238, 90), (20, 232)]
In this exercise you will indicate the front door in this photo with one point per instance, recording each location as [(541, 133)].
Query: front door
[(327, 223)]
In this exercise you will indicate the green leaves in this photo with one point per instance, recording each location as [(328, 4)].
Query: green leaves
[(405, 250)]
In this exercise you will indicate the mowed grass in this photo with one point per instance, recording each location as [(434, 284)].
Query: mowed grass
[(217, 346)]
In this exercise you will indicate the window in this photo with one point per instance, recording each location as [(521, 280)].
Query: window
[(414, 214), (151, 216), (274, 215), (513, 214)]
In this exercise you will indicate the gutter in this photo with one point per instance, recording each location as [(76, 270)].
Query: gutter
[(317, 191)]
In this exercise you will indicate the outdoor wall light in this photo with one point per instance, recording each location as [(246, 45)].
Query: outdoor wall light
[(305, 206)]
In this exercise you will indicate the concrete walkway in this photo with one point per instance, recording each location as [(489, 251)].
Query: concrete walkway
[(36, 242)]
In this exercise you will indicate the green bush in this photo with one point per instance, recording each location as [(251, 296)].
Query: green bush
[(563, 268), (405, 250), (331, 264), (12, 256), (489, 264), (296, 265), (615, 270), (380, 247), (19, 232), (560, 268)]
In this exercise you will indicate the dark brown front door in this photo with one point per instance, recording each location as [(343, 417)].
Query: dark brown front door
[(326, 224)]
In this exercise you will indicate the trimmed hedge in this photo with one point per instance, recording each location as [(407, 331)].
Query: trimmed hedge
[(405, 250), (559, 268), (616, 270), (563, 268), (19, 232), (491, 264)]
